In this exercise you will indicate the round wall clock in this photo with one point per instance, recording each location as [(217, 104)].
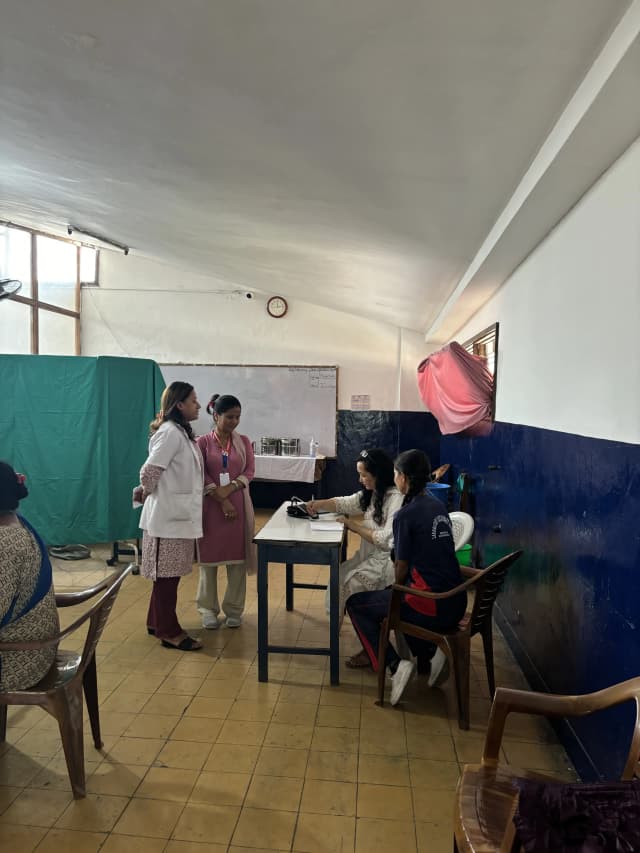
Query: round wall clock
[(277, 306)]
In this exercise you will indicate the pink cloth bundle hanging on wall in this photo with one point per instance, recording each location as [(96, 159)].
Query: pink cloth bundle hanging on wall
[(457, 389)]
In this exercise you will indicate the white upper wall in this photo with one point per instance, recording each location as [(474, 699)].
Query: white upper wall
[(341, 149), (150, 310), (569, 356)]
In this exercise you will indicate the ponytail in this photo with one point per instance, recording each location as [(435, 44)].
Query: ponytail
[(416, 467)]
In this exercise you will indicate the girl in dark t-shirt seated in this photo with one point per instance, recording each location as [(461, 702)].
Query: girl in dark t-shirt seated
[(424, 559)]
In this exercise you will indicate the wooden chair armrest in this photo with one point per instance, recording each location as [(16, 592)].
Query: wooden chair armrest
[(469, 571), (69, 599), (475, 575), (423, 593), (507, 701), (31, 645), (82, 595), (78, 596)]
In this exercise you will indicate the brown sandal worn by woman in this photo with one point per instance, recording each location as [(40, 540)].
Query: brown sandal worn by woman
[(187, 644), (359, 661)]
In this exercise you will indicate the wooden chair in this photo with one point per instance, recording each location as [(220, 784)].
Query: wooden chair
[(486, 799), (456, 644), (60, 691)]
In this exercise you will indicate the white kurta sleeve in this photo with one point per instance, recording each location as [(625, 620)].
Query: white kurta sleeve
[(383, 535), (349, 505)]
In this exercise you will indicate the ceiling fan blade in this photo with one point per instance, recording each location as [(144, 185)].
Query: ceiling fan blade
[(9, 286)]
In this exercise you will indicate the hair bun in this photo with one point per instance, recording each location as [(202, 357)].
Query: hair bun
[(12, 488), (212, 403)]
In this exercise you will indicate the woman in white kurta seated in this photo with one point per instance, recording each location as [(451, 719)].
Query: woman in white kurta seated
[(379, 500)]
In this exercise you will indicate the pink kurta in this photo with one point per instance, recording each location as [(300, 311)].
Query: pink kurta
[(224, 539)]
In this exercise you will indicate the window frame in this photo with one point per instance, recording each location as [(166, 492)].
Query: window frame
[(35, 304), (472, 344)]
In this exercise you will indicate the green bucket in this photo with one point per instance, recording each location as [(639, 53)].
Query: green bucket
[(464, 555)]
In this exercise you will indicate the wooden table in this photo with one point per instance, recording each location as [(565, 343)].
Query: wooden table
[(291, 540)]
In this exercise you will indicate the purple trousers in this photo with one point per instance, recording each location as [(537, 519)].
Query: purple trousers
[(162, 609)]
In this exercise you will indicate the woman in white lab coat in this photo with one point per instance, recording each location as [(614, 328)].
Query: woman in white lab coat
[(171, 489)]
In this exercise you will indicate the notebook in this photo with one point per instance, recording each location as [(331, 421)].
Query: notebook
[(326, 526)]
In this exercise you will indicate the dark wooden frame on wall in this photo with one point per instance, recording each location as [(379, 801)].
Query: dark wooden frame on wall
[(470, 344), (36, 304)]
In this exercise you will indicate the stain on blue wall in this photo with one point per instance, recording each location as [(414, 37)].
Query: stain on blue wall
[(571, 606)]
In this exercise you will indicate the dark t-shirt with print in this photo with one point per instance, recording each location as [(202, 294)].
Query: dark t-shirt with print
[(423, 538)]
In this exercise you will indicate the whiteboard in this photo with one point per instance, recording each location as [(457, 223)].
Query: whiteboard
[(278, 401)]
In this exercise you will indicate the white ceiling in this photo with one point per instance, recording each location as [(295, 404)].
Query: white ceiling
[(352, 153)]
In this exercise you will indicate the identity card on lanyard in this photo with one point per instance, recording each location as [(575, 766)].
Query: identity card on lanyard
[(225, 479)]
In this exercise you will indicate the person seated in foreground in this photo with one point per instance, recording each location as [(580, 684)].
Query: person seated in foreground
[(27, 601), (371, 567), (425, 560)]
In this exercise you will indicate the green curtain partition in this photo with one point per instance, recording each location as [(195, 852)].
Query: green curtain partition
[(78, 428)]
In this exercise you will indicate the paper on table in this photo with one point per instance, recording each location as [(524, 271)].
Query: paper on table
[(325, 525)]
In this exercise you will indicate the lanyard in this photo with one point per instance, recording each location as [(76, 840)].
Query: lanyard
[(225, 450)]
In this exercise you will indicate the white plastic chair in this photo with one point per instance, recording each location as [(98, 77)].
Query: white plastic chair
[(462, 524)]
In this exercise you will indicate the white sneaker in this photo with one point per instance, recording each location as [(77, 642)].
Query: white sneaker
[(210, 620), (400, 680), (233, 621), (438, 662)]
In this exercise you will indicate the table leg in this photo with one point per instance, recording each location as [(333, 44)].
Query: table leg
[(263, 614), (289, 586), (334, 618)]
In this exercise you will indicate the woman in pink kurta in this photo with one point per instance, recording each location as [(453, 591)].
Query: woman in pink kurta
[(228, 519)]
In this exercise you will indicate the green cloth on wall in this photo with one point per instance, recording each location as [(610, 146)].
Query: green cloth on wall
[(78, 428)]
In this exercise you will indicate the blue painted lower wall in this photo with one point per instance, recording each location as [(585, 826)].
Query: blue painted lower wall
[(571, 606)]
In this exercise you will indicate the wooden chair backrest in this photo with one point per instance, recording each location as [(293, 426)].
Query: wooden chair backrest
[(98, 616), (487, 589)]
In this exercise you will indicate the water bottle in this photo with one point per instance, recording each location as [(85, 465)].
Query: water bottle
[(312, 447)]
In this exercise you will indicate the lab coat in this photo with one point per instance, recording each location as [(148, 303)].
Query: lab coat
[(174, 509)]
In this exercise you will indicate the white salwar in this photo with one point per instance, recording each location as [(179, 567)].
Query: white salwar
[(371, 568)]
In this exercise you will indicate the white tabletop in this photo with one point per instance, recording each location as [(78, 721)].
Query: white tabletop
[(282, 528)]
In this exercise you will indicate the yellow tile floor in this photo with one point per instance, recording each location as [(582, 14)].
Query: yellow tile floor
[(199, 757)]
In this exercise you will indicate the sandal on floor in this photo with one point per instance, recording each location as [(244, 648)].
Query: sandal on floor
[(188, 644), (359, 661)]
